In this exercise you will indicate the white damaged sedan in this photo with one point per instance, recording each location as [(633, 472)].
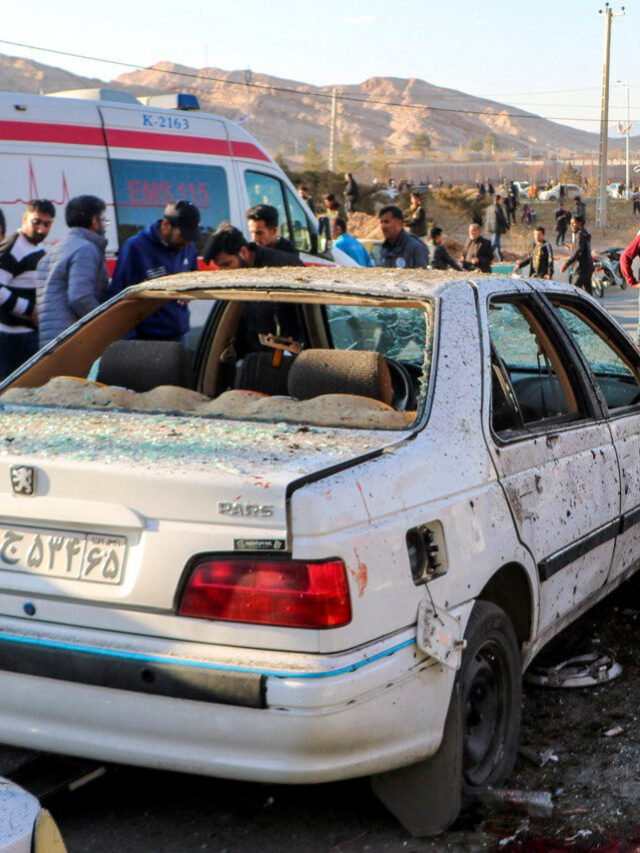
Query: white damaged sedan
[(320, 538)]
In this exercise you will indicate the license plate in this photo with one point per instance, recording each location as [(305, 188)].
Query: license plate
[(63, 554)]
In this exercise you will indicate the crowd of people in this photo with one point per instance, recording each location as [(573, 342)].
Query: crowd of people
[(43, 293)]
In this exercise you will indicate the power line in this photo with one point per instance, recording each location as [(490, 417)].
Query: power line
[(547, 91), (318, 93)]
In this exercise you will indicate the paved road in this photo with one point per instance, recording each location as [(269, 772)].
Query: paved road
[(140, 810), (623, 304)]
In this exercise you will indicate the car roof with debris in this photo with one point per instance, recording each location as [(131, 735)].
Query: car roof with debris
[(398, 284)]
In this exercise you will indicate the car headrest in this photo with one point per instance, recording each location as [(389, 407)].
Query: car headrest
[(143, 365), (325, 371)]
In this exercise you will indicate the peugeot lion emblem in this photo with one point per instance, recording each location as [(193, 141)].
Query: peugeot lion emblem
[(23, 479)]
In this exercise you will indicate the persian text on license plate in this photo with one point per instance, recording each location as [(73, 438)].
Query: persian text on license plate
[(63, 553)]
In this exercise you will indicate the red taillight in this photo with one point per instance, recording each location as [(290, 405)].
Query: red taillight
[(294, 593)]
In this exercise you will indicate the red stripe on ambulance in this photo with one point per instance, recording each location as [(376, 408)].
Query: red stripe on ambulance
[(70, 134), (31, 131)]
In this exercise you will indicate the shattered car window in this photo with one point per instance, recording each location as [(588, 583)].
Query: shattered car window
[(263, 360), (396, 333)]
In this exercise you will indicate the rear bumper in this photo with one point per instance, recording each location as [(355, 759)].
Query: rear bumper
[(316, 726)]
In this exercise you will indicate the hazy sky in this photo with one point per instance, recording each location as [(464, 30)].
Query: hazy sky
[(543, 56)]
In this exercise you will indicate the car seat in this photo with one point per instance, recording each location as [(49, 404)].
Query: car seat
[(143, 365), (259, 373), (324, 371)]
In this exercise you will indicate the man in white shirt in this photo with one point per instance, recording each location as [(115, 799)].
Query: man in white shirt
[(20, 254)]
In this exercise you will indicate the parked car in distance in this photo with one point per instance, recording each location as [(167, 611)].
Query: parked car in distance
[(571, 191), (613, 190), (523, 188), (319, 556)]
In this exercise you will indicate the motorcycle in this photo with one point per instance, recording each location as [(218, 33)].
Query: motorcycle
[(608, 261), (606, 270)]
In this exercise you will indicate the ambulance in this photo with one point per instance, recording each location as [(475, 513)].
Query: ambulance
[(138, 154)]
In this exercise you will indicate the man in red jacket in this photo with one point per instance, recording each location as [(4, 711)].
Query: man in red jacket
[(626, 260)]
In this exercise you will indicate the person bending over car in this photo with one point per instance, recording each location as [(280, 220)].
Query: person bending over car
[(228, 249), (164, 248), (72, 278)]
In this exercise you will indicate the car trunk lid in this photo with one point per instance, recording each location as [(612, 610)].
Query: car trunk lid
[(123, 501)]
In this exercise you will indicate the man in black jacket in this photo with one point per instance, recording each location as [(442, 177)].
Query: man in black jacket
[(439, 258), (581, 257), (580, 209), (540, 259), (562, 217), (262, 221), (416, 220), (351, 193), (305, 195), (477, 253), (497, 225), (229, 250)]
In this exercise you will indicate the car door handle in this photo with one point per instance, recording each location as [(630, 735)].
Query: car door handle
[(550, 439)]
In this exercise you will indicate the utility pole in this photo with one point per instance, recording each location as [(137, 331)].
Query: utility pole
[(626, 131), (247, 79), (332, 133), (601, 199)]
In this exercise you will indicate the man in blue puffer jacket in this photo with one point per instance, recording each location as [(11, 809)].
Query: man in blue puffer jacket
[(72, 278), (164, 248)]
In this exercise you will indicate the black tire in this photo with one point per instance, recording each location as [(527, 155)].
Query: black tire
[(490, 683)]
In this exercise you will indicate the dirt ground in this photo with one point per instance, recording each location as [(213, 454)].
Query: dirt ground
[(622, 226), (593, 777)]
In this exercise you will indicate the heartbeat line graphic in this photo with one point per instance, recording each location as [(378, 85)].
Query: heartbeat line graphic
[(33, 190)]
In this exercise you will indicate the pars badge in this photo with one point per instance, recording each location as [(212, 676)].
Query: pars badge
[(23, 479)]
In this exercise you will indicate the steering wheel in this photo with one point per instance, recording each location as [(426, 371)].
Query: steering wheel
[(401, 383)]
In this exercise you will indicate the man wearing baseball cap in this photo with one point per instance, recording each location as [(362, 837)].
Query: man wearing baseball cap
[(163, 248)]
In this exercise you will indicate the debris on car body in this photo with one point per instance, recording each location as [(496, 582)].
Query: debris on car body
[(335, 563)]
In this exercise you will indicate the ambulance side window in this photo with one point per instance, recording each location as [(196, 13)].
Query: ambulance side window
[(143, 188), (300, 224), (263, 189)]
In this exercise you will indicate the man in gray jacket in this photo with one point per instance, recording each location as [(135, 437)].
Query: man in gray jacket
[(73, 278), (497, 225)]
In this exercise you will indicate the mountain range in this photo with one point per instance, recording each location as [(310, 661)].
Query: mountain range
[(285, 115)]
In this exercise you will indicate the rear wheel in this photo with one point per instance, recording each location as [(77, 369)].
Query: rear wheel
[(490, 680), (480, 737)]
